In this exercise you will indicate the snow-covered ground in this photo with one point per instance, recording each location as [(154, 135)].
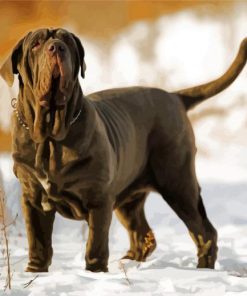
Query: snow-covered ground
[(158, 54), (169, 271)]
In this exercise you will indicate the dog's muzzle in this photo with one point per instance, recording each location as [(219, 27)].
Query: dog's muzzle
[(57, 94)]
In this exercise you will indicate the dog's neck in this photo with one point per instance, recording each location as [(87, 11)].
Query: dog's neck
[(24, 107), (81, 132), (52, 156)]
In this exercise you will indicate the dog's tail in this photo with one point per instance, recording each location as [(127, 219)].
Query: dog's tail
[(195, 95)]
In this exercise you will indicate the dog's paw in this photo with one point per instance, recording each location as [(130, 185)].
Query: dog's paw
[(30, 269), (206, 262), (34, 268), (96, 268), (129, 255)]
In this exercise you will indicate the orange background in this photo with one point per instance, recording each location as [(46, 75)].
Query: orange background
[(95, 19)]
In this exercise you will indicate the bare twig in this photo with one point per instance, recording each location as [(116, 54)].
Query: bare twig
[(242, 273), (30, 282), (5, 237), (122, 267), (9, 224), (8, 280)]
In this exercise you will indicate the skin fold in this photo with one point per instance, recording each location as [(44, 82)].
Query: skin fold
[(85, 156)]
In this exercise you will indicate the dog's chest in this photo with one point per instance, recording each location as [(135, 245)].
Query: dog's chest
[(52, 157), (56, 165)]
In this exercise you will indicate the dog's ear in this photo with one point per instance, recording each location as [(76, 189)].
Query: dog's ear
[(81, 55), (9, 67)]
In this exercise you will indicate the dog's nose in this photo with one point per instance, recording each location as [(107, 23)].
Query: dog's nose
[(56, 47)]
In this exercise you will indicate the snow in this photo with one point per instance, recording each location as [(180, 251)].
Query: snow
[(169, 271), (157, 53)]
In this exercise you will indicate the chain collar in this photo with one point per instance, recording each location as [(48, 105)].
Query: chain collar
[(75, 118), (19, 117), (23, 123)]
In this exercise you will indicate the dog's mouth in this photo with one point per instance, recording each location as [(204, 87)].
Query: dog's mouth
[(53, 104), (56, 94), (50, 106), (50, 115), (53, 92)]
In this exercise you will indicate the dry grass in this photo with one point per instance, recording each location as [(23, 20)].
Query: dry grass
[(30, 282), (122, 267), (3, 228)]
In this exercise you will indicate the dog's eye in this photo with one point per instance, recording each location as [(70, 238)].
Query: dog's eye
[(36, 45)]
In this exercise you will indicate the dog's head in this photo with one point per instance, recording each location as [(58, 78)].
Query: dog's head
[(48, 62)]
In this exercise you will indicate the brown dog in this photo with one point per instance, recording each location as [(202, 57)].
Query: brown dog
[(84, 156)]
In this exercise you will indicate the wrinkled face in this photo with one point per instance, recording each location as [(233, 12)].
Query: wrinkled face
[(48, 62), (52, 68)]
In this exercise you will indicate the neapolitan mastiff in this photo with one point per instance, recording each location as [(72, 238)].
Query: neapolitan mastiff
[(85, 156)]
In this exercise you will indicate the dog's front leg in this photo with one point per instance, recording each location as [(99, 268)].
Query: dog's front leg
[(97, 251), (39, 231)]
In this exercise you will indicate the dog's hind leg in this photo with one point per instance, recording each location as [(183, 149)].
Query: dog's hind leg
[(177, 183), (132, 217), (193, 214)]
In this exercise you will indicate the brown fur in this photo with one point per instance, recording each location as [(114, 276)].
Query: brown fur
[(85, 156)]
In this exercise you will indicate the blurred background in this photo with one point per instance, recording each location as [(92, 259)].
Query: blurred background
[(168, 44)]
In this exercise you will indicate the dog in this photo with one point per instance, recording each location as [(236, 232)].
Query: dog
[(85, 156)]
